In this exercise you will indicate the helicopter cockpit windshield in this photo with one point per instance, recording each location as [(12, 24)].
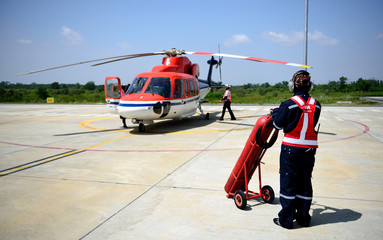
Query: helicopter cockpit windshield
[(159, 86), (137, 85)]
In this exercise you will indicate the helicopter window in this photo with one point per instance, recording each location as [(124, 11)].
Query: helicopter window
[(186, 87), (115, 88), (179, 88), (137, 85), (112, 88), (159, 86), (197, 88), (192, 88)]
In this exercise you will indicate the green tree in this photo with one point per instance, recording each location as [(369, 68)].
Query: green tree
[(4, 84), (265, 85), (342, 83), (42, 92), (333, 86), (363, 85), (64, 89), (90, 86), (55, 85)]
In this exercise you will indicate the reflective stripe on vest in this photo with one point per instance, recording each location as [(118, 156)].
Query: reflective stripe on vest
[(303, 135), (228, 95)]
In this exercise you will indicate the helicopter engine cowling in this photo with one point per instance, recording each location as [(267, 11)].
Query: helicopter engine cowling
[(162, 108), (157, 108)]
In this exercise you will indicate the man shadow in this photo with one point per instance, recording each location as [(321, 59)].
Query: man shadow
[(327, 215), (321, 214)]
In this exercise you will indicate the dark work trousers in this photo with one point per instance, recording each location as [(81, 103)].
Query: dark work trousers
[(296, 166), (226, 105)]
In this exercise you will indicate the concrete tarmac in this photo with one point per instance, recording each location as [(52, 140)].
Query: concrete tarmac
[(73, 172)]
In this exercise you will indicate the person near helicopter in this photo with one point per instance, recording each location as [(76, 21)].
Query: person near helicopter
[(227, 104), (297, 117)]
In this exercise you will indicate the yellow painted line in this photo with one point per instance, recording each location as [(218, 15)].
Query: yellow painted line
[(50, 159), (86, 124), (39, 162)]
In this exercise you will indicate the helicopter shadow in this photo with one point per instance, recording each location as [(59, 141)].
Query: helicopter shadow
[(158, 127), (178, 125), (171, 126)]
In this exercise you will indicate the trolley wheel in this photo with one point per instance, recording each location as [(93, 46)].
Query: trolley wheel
[(240, 199), (268, 194)]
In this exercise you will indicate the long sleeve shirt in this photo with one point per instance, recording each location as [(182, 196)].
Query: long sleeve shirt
[(287, 117)]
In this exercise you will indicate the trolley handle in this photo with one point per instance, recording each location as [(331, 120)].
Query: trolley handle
[(265, 144)]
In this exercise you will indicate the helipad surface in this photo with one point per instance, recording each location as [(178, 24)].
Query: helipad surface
[(72, 172)]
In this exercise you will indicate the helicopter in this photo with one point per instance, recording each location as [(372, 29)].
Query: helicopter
[(171, 90)]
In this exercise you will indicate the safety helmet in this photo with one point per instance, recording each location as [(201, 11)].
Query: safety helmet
[(301, 81)]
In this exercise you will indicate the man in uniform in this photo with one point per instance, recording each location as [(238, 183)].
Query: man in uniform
[(297, 117), (226, 104)]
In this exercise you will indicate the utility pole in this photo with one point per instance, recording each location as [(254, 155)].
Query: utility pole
[(306, 32)]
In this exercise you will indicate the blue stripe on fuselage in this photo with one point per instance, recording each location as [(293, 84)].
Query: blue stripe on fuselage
[(136, 105), (152, 104), (113, 103)]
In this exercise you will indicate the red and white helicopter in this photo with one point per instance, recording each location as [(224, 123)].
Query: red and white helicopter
[(172, 90)]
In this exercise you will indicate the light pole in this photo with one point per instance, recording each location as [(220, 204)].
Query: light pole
[(306, 32)]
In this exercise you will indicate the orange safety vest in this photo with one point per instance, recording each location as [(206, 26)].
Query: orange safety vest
[(228, 95), (303, 135)]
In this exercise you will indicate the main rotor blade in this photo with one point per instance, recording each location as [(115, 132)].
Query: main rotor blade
[(129, 57), (171, 53), (249, 58), (96, 60)]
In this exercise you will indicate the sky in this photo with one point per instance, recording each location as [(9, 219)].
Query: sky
[(345, 38)]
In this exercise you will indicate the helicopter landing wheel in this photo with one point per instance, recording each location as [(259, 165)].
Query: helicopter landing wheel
[(240, 199), (268, 194), (207, 116), (141, 127)]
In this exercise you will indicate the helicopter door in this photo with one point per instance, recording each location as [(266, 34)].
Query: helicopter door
[(113, 92)]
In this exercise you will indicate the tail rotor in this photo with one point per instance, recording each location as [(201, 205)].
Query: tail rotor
[(219, 63)]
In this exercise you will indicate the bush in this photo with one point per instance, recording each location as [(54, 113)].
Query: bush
[(42, 92)]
